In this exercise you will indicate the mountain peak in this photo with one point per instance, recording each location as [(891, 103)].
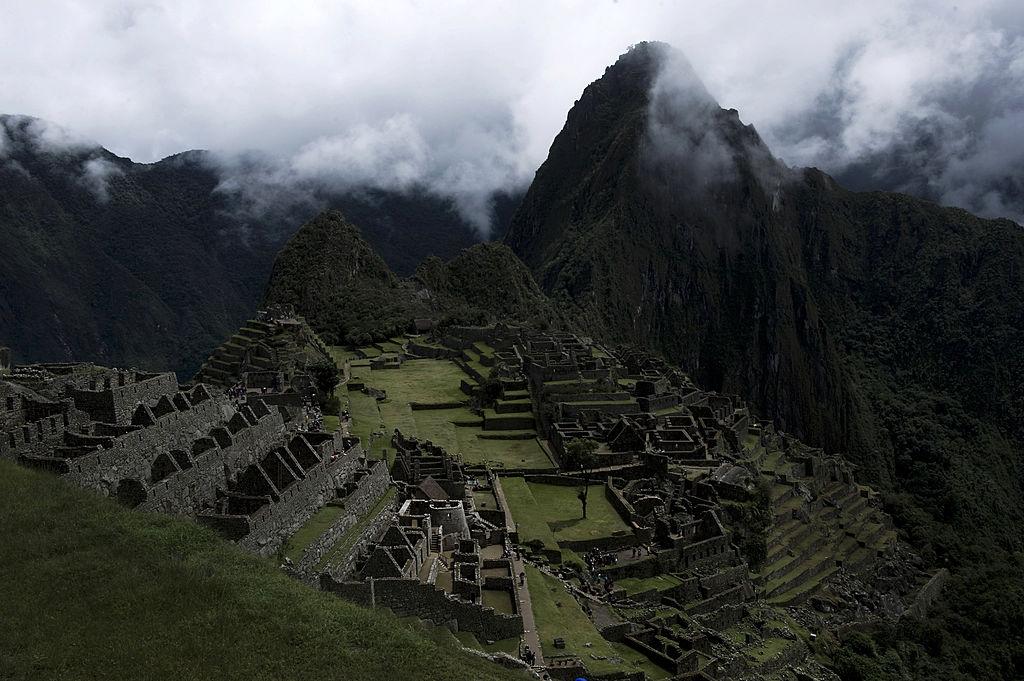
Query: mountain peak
[(651, 129)]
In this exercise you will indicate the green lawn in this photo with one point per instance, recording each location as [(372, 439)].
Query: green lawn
[(553, 512), (419, 380), (485, 500), (365, 420), (432, 382), (508, 645), (341, 355), (635, 585), (767, 649), (558, 615), (312, 529), (497, 599), (476, 364), (91, 590)]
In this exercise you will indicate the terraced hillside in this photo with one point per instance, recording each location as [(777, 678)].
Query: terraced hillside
[(263, 345), (842, 531)]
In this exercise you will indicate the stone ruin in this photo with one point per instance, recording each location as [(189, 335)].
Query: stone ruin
[(438, 559), (682, 466), (269, 354), (434, 538), (247, 469)]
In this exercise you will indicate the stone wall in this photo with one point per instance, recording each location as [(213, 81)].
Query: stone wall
[(473, 373), (133, 454), (274, 522), (509, 422), (724, 579), (658, 402), (34, 439), (724, 617), (928, 594), (734, 596), (570, 411), (595, 397), (115, 403), (430, 352), (358, 503), (412, 597), (345, 565)]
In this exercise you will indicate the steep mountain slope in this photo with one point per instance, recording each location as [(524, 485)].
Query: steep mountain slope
[(666, 242), (875, 324), (151, 265), (335, 279)]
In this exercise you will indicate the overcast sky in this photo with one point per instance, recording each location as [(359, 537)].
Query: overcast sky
[(466, 96)]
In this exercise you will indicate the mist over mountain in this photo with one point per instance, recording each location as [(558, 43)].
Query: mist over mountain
[(151, 264), (850, 265)]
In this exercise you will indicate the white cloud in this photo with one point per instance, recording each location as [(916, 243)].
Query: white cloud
[(465, 97), (96, 176)]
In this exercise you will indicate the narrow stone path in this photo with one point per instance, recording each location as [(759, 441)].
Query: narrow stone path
[(530, 635)]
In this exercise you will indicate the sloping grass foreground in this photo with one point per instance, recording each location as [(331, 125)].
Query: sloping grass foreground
[(93, 591)]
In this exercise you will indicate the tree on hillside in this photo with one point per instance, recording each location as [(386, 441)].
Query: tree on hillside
[(579, 454), (326, 377)]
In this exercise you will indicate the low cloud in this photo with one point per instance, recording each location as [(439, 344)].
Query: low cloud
[(683, 145), (96, 176)]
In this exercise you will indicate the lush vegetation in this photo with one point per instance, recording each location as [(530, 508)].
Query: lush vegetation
[(484, 284), (335, 279), (91, 589)]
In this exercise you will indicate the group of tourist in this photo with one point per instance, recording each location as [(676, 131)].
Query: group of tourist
[(237, 392), (597, 558), (313, 416)]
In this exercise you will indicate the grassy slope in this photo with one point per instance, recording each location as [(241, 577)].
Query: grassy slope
[(93, 591), (558, 615)]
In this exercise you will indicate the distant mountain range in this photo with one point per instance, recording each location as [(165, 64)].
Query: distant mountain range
[(152, 264)]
